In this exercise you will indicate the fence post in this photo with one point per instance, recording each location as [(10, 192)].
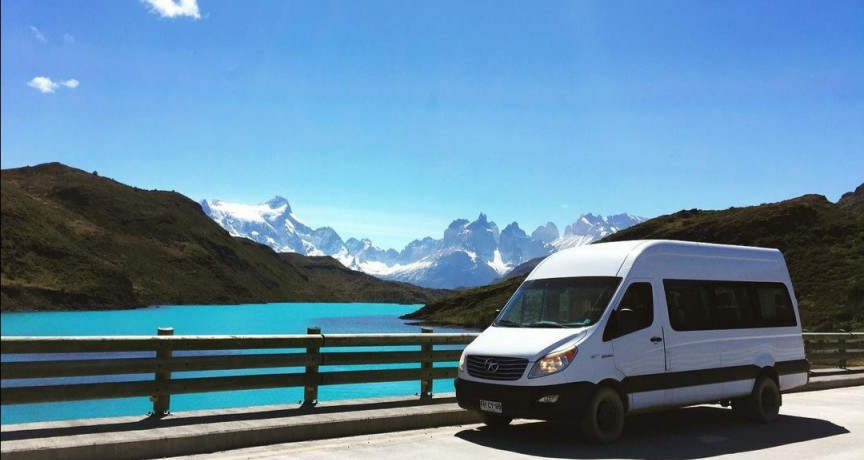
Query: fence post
[(162, 400), (841, 351), (313, 361), (426, 366)]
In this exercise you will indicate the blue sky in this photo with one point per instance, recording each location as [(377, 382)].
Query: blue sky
[(389, 119)]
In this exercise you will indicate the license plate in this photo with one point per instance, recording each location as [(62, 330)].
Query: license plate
[(491, 406)]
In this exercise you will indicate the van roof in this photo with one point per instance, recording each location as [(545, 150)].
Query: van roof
[(620, 257)]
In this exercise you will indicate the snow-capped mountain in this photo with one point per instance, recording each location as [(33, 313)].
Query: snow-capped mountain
[(468, 255), (589, 228), (471, 253), (272, 223)]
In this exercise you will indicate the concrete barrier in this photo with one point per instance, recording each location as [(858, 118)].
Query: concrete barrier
[(198, 432)]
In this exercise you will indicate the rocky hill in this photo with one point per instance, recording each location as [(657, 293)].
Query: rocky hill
[(75, 240), (853, 200), (823, 244)]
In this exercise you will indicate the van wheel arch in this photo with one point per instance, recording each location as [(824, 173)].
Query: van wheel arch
[(618, 387), (770, 372)]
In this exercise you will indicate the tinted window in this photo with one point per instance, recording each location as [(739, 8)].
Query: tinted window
[(702, 305), (634, 312)]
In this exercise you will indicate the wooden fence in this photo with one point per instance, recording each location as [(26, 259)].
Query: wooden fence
[(288, 360), (834, 349)]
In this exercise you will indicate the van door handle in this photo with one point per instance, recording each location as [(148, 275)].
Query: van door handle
[(656, 339)]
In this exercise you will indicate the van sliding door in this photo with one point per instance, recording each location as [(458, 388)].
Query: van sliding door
[(693, 355)]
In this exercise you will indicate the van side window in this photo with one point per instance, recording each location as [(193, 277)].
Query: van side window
[(696, 305), (688, 306), (733, 307), (634, 312), (775, 306)]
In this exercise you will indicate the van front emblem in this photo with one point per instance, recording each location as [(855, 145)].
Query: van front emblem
[(491, 366)]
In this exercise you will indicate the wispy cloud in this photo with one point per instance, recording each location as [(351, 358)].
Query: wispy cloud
[(68, 38), (174, 8), (46, 86), (36, 33)]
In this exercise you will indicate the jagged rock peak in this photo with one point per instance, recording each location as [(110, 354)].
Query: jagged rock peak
[(513, 228), (278, 201), (458, 224), (546, 233)]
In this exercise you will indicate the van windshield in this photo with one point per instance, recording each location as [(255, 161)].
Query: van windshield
[(558, 302)]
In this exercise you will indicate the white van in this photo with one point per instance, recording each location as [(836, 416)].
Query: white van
[(604, 330)]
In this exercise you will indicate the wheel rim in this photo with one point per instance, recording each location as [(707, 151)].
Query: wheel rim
[(607, 416), (769, 401)]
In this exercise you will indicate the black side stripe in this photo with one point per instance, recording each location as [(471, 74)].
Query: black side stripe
[(799, 366), (670, 380)]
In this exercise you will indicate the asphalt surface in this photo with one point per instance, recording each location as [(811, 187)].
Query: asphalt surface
[(812, 425), (202, 432)]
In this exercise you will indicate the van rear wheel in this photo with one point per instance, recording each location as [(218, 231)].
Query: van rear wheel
[(763, 405), (603, 421)]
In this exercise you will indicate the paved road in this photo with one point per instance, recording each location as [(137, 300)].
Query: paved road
[(826, 424)]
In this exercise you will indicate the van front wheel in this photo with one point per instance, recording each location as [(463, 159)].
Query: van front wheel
[(763, 405), (603, 421)]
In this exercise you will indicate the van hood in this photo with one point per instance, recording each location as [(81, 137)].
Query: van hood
[(528, 343)]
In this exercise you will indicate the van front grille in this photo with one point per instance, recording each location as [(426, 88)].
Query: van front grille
[(496, 367)]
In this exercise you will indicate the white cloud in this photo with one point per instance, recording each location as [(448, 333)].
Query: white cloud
[(45, 85), (68, 38), (38, 34), (174, 8)]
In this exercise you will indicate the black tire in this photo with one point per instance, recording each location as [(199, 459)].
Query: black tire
[(603, 421), (763, 404), (493, 420)]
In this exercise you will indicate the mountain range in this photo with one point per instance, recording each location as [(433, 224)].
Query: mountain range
[(470, 253), (822, 242), (73, 240)]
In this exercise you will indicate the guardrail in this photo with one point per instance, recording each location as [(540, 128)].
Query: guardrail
[(291, 360), (179, 354), (834, 349)]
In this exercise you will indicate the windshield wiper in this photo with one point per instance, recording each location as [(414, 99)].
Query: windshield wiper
[(544, 324), (577, 323), (508, 323)]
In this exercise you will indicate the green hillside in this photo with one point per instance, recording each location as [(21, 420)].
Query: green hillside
[(74, 240), (823, 244)]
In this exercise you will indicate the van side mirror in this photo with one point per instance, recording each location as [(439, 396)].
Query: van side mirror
[(495, 316)]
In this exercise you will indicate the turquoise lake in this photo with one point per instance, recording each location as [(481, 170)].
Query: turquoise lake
[(282, 318)]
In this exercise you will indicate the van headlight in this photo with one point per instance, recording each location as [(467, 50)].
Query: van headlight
[(461, 362), (553, 362)]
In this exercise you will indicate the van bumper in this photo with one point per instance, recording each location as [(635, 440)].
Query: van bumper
[(524, 402)]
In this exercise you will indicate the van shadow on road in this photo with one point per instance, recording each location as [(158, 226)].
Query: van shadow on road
[(693, 432)]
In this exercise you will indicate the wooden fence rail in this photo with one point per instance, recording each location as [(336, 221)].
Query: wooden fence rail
[(150, 364), (834, 349), (288, 361)]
